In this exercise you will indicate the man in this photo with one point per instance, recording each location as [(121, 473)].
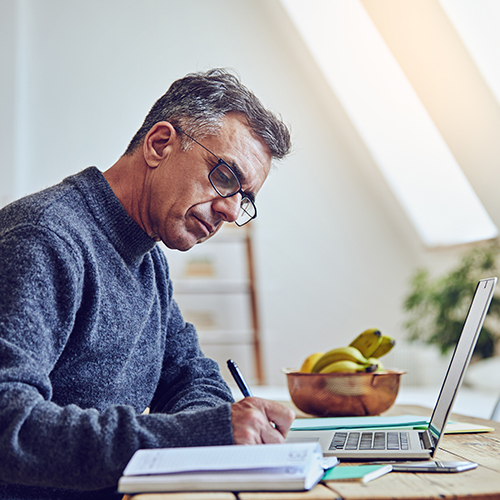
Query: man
[(89, 333)]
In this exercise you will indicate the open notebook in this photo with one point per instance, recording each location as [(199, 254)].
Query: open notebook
[(373, 444), (270, 467)]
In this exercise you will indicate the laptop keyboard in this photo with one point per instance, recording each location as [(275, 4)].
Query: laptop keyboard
[(386, 440)]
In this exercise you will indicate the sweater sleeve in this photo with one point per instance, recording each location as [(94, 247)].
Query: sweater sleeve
[(189, 380), (45, 444)]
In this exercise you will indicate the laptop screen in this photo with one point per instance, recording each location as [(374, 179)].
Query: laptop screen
[(461, 356)]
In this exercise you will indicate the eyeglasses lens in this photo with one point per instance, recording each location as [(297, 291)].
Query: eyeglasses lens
[(247, 212), (227, 184), (224, 180)]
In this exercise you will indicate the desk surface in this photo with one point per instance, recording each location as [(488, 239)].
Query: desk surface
[(481, 483)]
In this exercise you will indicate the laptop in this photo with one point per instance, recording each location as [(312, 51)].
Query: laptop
[(410, 444)]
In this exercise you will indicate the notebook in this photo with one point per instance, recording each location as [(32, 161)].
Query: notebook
[(270, 467), (356, 473), (394, 444)]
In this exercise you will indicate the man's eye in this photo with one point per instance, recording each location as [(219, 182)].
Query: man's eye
[(224, 178)]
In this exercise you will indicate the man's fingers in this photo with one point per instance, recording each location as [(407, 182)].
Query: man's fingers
[(281, 416), (258, 421), (271, 434)]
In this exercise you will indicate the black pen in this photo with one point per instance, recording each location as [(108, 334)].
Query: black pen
[(238, 377)]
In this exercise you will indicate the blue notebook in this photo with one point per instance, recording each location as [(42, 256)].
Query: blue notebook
[(332, 423), (356, 473)]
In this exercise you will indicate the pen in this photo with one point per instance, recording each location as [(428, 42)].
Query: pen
[(238, 377)]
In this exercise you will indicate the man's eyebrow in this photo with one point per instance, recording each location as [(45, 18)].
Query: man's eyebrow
[(237, 170), (241, 177)]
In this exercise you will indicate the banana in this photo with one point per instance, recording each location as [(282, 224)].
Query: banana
[(310, 361), (377, 363), (367, 342), (347, 366), (339, 354), (386, 344)]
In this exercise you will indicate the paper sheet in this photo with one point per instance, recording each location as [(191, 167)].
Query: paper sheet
[(377, 422), (213, 458)]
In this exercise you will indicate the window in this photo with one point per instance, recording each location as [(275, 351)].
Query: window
[(407, 147)]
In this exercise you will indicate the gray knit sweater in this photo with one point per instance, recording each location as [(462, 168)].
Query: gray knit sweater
[(89, 337)]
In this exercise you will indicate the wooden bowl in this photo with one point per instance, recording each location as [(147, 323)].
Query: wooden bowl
[(343, 394)]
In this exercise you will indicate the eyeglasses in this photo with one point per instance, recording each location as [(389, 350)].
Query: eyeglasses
[(226, 184)]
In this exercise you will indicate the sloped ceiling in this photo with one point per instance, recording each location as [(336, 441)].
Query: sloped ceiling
[(420, 103)]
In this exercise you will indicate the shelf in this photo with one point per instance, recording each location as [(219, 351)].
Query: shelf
[(226, 337), (215, 289), (203, 285)]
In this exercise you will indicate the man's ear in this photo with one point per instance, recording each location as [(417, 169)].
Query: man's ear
[(156, 142)]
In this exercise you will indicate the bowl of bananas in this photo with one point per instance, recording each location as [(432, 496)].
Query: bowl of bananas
[(346, 381)]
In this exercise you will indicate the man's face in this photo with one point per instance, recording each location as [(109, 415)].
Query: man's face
[(184, 208)]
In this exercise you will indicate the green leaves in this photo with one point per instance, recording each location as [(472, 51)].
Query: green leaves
[(437, 307)]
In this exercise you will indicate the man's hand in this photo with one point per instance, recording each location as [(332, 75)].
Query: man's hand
[(259, 421)]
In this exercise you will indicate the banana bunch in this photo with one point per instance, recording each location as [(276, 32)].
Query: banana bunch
[(361, 355)]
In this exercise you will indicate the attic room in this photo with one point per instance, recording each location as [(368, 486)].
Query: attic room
[(395, 118)]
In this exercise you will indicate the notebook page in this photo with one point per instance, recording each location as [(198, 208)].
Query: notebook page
[(213, 458)]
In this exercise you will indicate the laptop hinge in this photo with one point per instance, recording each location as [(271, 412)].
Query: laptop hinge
[(426, 440)]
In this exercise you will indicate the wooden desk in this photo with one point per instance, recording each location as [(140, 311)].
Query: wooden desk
[(478, 484)]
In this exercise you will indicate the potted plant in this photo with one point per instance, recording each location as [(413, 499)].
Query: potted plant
[(437, 307)]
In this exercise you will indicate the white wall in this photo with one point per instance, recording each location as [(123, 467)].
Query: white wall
[(334, 250), (8, 48)]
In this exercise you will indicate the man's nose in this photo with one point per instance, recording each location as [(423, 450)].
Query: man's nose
[(228, 208)]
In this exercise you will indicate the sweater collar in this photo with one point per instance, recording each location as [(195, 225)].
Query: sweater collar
[(129, 239)]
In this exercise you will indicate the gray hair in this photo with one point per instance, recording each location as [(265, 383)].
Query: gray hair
[(198, 102)]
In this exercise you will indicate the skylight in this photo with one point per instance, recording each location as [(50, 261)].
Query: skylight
[(410, 152), (477, 24)]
